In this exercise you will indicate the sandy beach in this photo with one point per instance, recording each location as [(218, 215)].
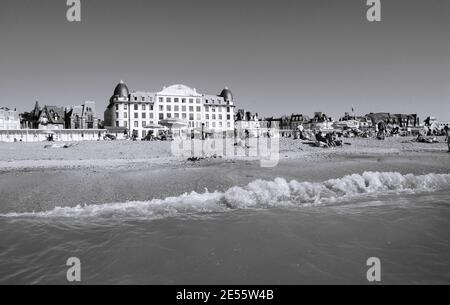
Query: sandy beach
[(35, 178)]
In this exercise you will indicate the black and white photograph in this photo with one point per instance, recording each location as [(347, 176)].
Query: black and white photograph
[(205, 143)]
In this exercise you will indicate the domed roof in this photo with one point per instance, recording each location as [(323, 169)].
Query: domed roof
[(121, 90), (226, 94)]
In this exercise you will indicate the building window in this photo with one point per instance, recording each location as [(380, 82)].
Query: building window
[(125, 107), (191, 116), (228, 116), (117, 115), (197, 101), (117, 106), (144, 123), (191, 101), (117, 123), (207, 116), (183, 115), (169, 100), (199, 116), (125, 115), (143, 115), (177, 115), (191, 108), (213, 109), (151, 107), (125, 124), (160, 99), (176, 100), (161, 108), (169, 115), (199, 108), (136, 124), (220, 124), (135, 106), (220, 116), (213, 116), (183, 108), (228, 109), (169, 108), (206, 108), (151, 115), (213, 124), (136, 115), (183, 100), (143, 107), (161, 116)]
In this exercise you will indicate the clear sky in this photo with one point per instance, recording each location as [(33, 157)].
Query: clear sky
[(278, 57)]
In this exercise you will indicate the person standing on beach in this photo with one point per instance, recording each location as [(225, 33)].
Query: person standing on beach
[(447, 136)]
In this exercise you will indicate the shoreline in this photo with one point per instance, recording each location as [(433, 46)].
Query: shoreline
[(40, 185)]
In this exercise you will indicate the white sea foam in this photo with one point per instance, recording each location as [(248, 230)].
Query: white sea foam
[(259, 194)]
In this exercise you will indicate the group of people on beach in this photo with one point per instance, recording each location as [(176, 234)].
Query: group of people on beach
[(329, 139), (424, 137)]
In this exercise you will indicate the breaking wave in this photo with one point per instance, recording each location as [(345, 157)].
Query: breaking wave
[(259, 194)]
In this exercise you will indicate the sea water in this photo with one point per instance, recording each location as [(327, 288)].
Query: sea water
[(267, 232)]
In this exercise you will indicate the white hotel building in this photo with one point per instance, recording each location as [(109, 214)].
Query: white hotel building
[(138, 110)]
